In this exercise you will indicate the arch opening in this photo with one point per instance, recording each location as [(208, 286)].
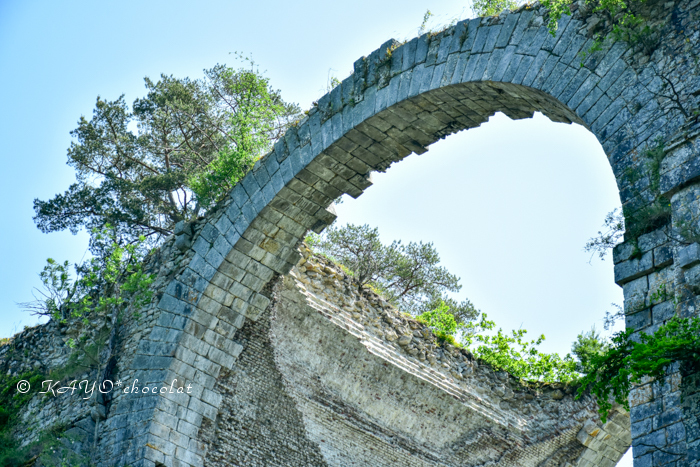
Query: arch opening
[(509, 206)]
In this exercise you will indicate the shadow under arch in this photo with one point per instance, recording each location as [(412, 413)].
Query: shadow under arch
[(399, 100)]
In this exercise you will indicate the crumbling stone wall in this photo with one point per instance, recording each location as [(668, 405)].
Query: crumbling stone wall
[(332, 375), (376, 388), (39, 350), (75, 414), (659, 274)]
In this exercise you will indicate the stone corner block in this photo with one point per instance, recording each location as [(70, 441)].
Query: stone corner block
[(689, 256), (629, 270)]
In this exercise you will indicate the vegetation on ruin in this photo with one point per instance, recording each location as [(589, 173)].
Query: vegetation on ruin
[(50, 448), (510, 352), (643, 183), (11, 404), (620, 18), (409, 275), (607, 369), (112, 279), (614, 369), (492, 7), (610, 369), (171, 156), (410, 278)]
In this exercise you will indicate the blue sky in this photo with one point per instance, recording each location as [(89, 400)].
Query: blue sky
[(508, 205)]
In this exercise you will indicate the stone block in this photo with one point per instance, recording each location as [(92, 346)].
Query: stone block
[(663, 312), (663, 256), (623, 252), (638, 320), (646, 410), (641, 428), (627, 271), (676, 433), (689, 256), (667, 417)]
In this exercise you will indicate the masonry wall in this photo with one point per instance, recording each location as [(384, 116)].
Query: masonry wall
[(40, 350), (333, 376), (76, 417), (258, 423), (660, 276)]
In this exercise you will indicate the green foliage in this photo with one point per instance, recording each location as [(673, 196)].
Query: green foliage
[(596, 47), (629, 359), (511, 353), (11, 400), (613, 234), (424, 24), (49, 449), (440, 319), (84, 357), (194, 140), (518, 356), (556, 8), (312, 240), (636, 32), (492, 7), (407, 275), (618, 9), (445, 338), (464, 311), (587, 345), (257, 114), (649, 218), (623, 22), (11, 403), (113, 278)]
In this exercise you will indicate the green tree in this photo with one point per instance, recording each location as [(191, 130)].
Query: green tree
[(504, 351), (170, 157), (440, 319), (464, 311), (407, 275), (522, 358), (107, 282), (587, 346)]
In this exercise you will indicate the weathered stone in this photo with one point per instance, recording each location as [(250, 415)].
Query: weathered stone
[(689, 256), (404, 340)]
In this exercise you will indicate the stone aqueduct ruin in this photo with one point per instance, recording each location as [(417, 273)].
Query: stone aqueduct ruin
[(274, 363)]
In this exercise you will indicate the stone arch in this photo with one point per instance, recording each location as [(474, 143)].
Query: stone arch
[(398, 101)]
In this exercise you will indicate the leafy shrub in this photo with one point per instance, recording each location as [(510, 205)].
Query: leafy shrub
[(627, 360), (111, 279)]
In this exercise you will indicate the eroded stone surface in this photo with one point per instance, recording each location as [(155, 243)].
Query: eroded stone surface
[(376, 402)]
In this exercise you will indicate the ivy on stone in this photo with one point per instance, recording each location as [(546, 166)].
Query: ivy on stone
[(631, 357)]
